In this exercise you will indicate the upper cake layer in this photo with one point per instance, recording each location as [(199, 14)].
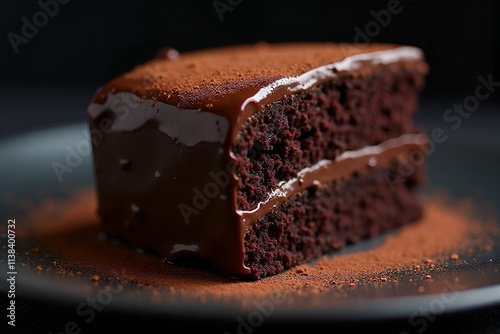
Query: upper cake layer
[(237, 81)]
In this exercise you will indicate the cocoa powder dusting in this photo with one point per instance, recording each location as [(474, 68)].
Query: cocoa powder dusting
[(182, 78), (70, 230)]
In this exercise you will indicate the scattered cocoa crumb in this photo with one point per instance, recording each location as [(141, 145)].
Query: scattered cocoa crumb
[(39, 268), (427, 276), (96, 278), (69, 230), (454, 257)]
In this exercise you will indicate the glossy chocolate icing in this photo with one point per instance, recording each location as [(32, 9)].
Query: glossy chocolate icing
[(164, 170)]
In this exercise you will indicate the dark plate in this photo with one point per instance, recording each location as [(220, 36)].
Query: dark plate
[(467, 164)]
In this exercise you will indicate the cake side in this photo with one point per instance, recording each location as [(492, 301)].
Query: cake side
[(163, 180), (289, 136)]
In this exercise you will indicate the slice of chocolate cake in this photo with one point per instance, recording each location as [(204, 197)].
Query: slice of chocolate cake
[(260, 157)]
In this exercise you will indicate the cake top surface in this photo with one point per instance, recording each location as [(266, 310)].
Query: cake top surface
[(192, 79), (262, 61)]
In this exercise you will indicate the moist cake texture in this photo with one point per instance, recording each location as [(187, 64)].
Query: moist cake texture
[(261, 157)]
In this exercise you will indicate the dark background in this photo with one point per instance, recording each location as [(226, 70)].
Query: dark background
[(52, 78), (86, 43)]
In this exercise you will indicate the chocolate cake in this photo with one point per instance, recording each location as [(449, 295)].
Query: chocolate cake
[(257, 158)]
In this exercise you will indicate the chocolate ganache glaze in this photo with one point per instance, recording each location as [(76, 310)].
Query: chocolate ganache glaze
[(163, 135)]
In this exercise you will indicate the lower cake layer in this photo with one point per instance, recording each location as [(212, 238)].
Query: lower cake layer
[(321, 220)]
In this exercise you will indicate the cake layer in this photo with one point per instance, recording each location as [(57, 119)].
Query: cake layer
[(321, 220), (236, 82)]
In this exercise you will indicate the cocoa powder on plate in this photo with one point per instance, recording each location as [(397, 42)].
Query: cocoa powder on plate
[(70, 230)]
